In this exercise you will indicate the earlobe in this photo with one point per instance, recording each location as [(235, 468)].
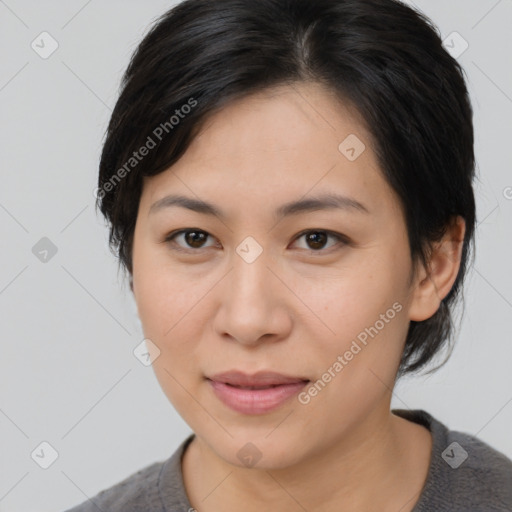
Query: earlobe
[(433, 286)]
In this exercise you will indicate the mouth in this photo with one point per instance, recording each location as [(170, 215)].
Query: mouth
[(253, 387), (259, 393)]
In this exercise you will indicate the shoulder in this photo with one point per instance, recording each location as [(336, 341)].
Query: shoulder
[(477, 471), (465, 473), (137, 492), (147, 489)]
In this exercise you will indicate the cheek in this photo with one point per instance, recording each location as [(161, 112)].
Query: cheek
[(165, 296), (349, 302), (168, 305), (364, 319), (356, 365), (174, 309)]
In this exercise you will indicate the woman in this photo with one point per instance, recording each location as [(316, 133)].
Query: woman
[(289, 188)]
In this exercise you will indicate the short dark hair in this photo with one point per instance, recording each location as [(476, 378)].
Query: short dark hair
[(380, 56)]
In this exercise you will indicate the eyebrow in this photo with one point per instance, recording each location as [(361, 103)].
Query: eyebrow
[(321, 202)]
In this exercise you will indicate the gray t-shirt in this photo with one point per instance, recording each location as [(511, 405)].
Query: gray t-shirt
[(465, 475)]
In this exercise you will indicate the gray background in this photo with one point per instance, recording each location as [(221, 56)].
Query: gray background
[(69, 326)]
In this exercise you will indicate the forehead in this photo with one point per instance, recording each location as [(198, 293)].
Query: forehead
[(286, 117), (282, 144)]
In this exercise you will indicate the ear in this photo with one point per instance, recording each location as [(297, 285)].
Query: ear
[(432, 285)]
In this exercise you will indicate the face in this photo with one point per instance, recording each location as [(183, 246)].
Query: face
[(319, 295)]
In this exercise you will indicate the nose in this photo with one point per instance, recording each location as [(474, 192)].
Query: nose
[(254, 303)]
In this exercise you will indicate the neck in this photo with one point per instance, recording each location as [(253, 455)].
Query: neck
[(382, 464)]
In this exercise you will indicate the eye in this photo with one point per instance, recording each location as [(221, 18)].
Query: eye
[(193, 237), (317, 238)]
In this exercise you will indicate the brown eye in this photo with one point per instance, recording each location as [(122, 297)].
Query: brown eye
[(195, 238), (316, 239), (191, 239)]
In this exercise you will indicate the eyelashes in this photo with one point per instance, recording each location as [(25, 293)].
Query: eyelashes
[(172, 237), (198, 236)]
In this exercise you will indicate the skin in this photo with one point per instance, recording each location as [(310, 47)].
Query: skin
[(293, 310)]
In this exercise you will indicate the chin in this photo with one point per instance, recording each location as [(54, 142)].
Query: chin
[(253, 449)]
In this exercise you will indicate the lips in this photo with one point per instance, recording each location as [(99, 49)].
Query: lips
[(257, 380), (259, 393)]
